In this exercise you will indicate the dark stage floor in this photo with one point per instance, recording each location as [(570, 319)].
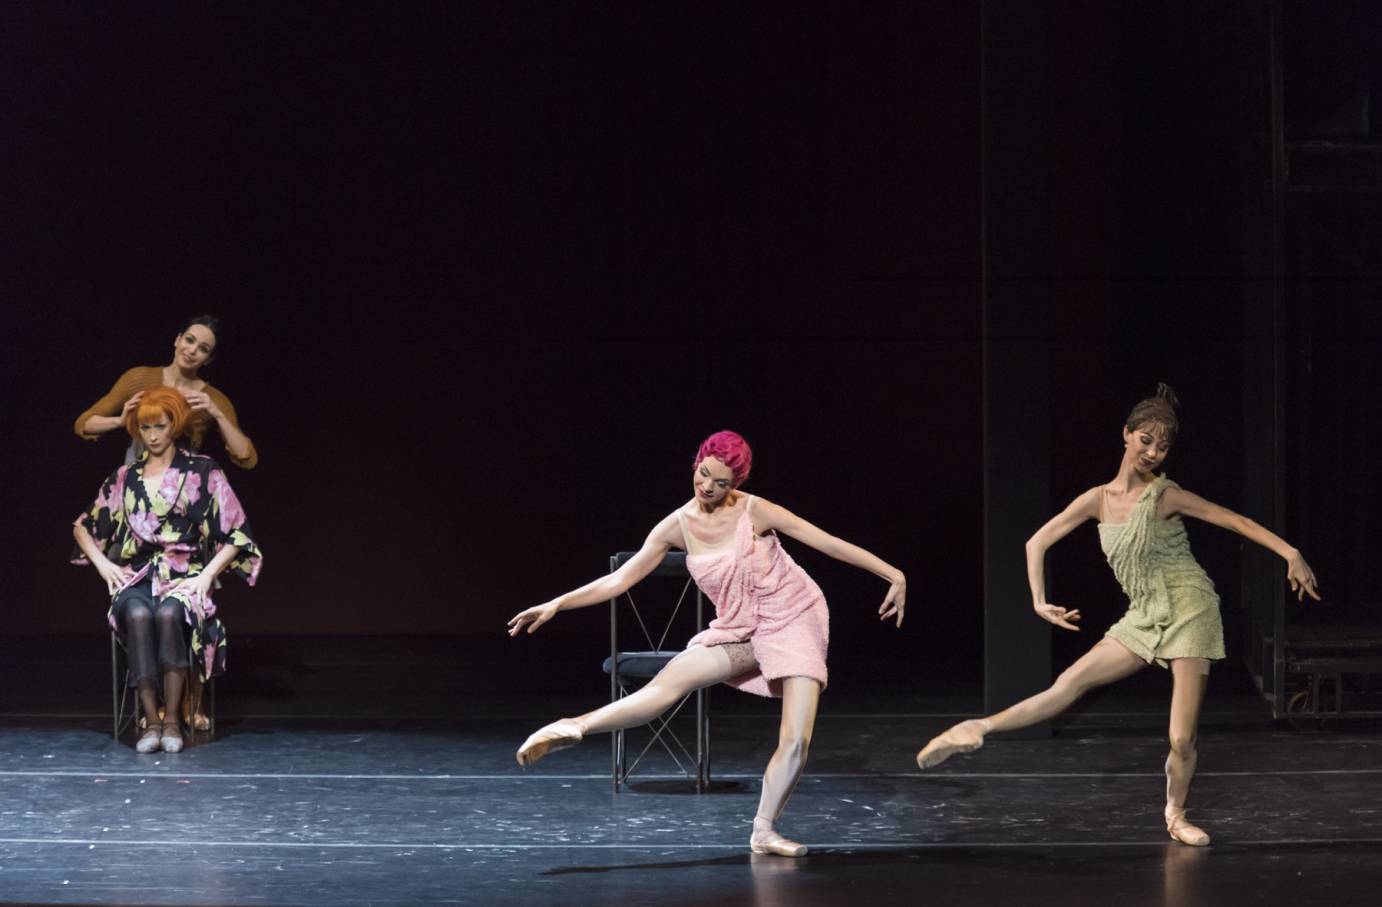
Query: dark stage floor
[(290, 806)]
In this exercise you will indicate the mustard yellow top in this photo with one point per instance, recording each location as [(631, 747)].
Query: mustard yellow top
[(143, 378)]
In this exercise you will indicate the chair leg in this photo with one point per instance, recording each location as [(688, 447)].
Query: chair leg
[(702, 744), (194, 710), (114, 689), (619, 759)]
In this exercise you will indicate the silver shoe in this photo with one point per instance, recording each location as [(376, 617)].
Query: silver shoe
[(149, 743), (172, 743)]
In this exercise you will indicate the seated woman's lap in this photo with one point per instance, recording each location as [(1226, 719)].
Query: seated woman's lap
[(155, 634)]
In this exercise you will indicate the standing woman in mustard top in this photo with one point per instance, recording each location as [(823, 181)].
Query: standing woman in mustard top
[(194, 347), (1173, 611)]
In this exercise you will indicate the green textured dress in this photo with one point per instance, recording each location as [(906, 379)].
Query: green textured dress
[(1173, 610)]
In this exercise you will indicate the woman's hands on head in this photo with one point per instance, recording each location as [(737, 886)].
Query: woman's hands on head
[(201, 402), (895, 601), (1057, 615), (130, 405), (533, 617)]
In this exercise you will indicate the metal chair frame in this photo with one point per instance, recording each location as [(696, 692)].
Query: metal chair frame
[(673, 565)]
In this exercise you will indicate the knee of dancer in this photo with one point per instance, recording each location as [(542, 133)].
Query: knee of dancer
[(137, 616), (665, 693), (1183, 744), (1072, 683), (794, 745), (170, 611)]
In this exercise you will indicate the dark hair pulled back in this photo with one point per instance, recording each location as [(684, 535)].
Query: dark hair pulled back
[(1161, 409), (211, 323)]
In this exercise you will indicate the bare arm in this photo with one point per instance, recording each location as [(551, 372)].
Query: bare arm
[(219, 408), (1085, 507), (1298, 573), (219, 563), (99, 425), (202, 582), (664, 535), (112, 573), (768, 515)]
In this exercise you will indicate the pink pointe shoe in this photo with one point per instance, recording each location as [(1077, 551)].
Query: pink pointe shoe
[(1181, 829), (765, 840), (965, 737), (556, 736)]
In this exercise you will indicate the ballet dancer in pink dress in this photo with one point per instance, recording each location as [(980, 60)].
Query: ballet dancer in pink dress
[(770, 629)]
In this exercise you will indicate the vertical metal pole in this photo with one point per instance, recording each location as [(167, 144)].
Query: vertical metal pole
[(1279, 177), (1015, 300), (702, 743)]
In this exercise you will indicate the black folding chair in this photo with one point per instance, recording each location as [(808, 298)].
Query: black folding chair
[(629, 669)]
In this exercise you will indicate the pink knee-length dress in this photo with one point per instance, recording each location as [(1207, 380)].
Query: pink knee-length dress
[(762, 597)]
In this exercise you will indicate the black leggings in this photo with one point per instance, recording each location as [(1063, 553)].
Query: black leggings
[(155, 633)]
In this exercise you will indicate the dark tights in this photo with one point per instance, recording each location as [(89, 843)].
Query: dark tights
[(155, 635)]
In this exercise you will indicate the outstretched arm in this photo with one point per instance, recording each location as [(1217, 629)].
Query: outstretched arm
[(1298, 573), (664, 535), (768, 515), (1085, 507)]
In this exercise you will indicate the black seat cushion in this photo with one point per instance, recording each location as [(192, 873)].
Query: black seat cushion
[(640, 664)]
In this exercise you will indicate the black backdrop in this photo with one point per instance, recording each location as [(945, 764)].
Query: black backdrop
[(491, 271)]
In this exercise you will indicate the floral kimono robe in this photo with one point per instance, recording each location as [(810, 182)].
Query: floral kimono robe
[(169, 537)]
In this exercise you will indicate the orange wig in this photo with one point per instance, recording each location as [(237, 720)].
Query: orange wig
[(160, 401)]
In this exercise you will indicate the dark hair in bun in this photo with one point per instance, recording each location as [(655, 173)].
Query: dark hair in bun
[(1159, 410)]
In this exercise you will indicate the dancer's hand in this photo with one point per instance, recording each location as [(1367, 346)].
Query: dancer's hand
[(1057, 615), (533, 618), (197, 589), (200, 401), (895, 601), (1301, 578), (131, 404), (114, 575)]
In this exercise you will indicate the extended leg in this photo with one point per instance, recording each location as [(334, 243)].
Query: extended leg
[(800, 696), (1190, 677), (699, 666), (1107, 662)]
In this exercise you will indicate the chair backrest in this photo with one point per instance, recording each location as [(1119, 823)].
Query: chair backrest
[(673, 565)]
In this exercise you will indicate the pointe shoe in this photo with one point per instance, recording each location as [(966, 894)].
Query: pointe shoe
[(965, 737), (149, 741), (172, 743), (1181, 830), (556, 736), (773, 843)]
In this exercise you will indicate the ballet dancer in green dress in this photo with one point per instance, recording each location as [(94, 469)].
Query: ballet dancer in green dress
[(1173, 611)]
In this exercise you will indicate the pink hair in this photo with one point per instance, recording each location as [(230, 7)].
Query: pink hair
[(731, 449)]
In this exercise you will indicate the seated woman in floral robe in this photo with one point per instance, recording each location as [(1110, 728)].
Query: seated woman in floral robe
[(159, 532)]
